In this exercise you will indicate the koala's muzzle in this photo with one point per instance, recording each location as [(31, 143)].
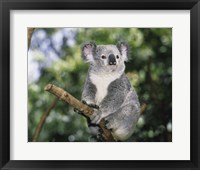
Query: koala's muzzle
[(111, 59)]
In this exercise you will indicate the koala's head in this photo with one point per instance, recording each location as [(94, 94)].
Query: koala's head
[(105, 58)]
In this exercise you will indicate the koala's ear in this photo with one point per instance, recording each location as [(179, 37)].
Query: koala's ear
[(88, 51), (123, 49)]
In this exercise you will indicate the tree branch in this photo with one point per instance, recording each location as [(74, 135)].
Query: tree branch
[(42, 120), (85, 109)]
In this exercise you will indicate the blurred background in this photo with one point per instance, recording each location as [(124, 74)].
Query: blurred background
[(54, 57)]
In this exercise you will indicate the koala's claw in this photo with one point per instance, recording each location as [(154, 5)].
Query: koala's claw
[(100, 131), (99, 135), (77, 111), (108, 125), (81, 113), (90, 124), (84, 102), (94, 106), (106, 121), (91, 105), (105, 125)]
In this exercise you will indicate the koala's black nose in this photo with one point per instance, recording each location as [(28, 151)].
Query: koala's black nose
[(111, 59)]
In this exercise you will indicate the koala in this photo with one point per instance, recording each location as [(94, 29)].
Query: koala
[(108, 90)]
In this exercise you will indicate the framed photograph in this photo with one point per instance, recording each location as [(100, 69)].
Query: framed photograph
[(99, 85)]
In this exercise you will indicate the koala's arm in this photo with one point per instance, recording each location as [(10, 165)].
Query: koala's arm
[(89, 91)]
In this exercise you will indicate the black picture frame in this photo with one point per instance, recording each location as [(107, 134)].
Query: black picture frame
[(7, 5)]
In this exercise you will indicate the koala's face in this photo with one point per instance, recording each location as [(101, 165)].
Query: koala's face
[(108, 55), (106, 58)]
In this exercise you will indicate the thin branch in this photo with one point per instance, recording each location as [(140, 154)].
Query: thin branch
[(42, 120), (143, 108)]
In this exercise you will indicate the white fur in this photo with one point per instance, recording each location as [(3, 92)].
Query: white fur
[(102, 81), (89, 58)]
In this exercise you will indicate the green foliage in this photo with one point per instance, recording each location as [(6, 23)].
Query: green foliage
[(55, 57)]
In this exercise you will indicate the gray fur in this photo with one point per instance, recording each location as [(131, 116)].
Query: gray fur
[(118, 102), (89, 91)]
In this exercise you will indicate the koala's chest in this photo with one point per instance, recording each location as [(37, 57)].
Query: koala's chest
[(102, 83)]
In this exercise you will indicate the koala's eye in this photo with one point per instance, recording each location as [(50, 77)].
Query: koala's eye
[(117, 57), (103, 57)]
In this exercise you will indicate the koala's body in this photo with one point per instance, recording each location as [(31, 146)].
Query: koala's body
[(108, 87)]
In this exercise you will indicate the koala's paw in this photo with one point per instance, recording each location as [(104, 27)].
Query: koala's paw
[(96, 117), (100, 136), (110, 123), (77, 111), (81, 113), (91, 105)]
